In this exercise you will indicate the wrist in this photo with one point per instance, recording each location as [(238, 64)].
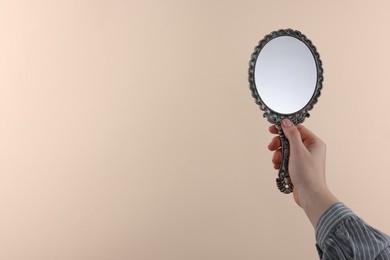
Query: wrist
[(316, 202)]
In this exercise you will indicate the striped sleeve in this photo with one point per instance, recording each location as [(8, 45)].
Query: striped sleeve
[(340, 234)]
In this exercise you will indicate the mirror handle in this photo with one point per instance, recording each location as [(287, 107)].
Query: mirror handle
[(283, 181)]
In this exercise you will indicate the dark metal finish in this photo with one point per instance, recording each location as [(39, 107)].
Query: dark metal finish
[(283, 181)]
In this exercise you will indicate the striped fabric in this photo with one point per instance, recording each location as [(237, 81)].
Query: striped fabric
[(340, 234)]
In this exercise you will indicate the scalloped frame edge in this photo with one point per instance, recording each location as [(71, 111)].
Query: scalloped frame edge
[(272, 116)]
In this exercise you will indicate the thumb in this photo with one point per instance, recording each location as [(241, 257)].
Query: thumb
[(292, 133)]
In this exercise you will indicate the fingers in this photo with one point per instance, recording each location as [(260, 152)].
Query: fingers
[(277, 159), (293, 135), (296, 134), (300, 139), (274, 144), (273, 130)]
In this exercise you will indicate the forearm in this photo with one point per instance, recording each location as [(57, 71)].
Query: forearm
[(316, 202)]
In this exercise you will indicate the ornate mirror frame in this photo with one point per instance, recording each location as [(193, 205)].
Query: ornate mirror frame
[(283, 181)]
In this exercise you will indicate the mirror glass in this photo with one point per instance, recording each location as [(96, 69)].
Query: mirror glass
[(285, 74)]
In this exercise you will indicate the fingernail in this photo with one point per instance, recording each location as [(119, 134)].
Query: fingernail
[(287, 123)]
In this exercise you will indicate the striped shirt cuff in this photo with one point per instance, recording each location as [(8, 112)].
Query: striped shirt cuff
[(330, 220)]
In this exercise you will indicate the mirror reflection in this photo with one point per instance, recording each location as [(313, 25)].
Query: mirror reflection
[(285, 74)]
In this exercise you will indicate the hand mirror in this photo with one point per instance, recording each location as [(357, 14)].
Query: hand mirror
[(285, 77)]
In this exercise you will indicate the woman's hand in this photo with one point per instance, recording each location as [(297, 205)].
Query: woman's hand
[(306, 168)]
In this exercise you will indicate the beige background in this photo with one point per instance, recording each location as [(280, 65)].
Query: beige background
[(128, 130)]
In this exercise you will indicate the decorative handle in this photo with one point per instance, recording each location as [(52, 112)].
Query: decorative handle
[(283, 181)]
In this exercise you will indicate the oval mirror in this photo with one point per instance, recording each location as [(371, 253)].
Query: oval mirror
[(285, 77)]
